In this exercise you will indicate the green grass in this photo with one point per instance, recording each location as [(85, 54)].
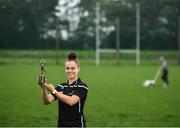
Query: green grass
[(116, 96), (86, 57)]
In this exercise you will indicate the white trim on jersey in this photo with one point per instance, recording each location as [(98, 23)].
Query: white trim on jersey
[(81, 114), (82, 121), (83, 86), (60, 85)]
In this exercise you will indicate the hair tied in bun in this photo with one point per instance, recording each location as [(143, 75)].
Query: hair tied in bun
[(72, 56)]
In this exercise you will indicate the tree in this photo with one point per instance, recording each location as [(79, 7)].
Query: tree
[(32, 24), (22, 20)]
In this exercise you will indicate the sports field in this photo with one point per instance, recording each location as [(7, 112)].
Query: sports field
[(116, 96)]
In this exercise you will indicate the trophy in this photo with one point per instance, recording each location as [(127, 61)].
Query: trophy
[(41, 79)]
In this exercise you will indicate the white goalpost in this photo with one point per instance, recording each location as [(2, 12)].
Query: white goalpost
[(118, 49)]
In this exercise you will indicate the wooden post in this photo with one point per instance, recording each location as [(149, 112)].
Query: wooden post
[(117, 40), (57, 43), (137, 33), (178, 49), (97, 34)]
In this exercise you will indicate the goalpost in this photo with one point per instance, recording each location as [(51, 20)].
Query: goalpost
[(118, 50)]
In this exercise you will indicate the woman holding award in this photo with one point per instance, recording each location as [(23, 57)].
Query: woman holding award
[(71, 95)]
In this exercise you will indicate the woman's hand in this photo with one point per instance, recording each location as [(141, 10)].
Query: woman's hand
[(49, 87)]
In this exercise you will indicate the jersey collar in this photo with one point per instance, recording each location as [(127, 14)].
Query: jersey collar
[(75, 82)]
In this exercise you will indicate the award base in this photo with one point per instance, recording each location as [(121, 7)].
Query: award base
[(41, 79)]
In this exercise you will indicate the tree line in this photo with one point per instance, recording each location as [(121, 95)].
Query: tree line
[(38, 24)]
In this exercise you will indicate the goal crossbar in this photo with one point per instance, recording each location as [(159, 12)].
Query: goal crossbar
[(120, 50)]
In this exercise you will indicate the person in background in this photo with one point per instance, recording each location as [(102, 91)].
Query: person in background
[(164, 68)]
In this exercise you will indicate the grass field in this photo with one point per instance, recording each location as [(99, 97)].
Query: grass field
[(116, 96)]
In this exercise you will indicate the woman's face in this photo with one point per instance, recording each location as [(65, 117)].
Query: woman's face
[(71, 69)]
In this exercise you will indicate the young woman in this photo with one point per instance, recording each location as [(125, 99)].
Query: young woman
[(70, 95)]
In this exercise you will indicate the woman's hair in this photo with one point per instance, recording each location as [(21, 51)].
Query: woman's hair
[(72, 57)]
